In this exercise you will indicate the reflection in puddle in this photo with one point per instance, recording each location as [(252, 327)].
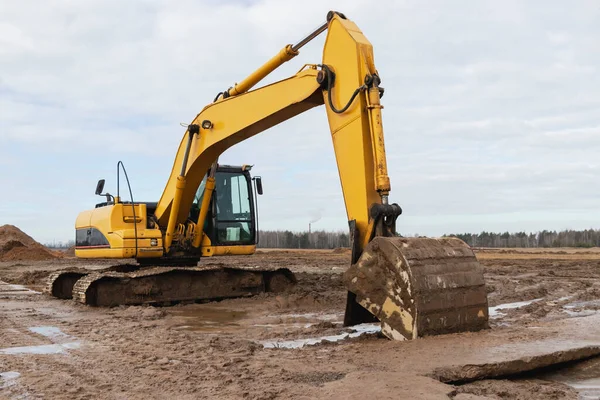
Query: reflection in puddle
[(588, 388), (299, 343), (583, 313), (11, 289), (570, 308), (9, 375), (42, 349), (582, 376), (215, 319), (51, 332), (495, 313), (8, 378), (209, 318), (305, 326), (583, 304), (564, 298), (203, 318), (322, 317), (302, 321)]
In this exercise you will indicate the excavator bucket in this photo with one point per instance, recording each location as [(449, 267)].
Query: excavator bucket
[(420, 286)]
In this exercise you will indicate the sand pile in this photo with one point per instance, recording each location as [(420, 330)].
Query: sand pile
[(17, 245)]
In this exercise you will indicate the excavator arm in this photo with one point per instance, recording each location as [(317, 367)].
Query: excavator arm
[(347, 84)]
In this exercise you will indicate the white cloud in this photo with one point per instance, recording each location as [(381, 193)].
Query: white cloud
[(491, 109)]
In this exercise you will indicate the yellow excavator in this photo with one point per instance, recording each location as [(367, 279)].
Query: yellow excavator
[(413, 286)]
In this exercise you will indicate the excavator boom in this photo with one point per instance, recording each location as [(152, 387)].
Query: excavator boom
[(415, 286)]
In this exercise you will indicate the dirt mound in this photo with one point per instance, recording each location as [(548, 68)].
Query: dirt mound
[(11, 244), (28, 254), (16, 245)]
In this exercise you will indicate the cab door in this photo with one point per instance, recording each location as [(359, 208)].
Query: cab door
[(233, 209)]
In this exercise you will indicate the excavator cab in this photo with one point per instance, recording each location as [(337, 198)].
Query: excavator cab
[(230, 222), (231, 218)]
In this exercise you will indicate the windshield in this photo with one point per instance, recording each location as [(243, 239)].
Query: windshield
[(233, 207)]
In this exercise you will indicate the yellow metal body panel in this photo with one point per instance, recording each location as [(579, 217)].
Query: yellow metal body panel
[(115, 222), (237, 250), (349, 55)]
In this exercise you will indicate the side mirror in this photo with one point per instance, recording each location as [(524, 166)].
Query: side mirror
[(258, 182), (100, 187)]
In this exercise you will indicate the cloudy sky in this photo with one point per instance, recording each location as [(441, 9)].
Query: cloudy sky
[(491, 118)]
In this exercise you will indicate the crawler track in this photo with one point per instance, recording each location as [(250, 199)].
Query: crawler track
[(165, 285)]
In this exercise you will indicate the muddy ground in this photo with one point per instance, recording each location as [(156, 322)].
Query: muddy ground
[(543, 308)]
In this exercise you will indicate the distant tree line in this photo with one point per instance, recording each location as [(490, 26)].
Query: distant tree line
[(60, 244), (331, 240), (566, 238), (303, 240)]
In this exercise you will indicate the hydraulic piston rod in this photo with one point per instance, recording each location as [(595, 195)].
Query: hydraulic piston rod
[(208, 191), (179, 188), (310, 37), (284, 55)]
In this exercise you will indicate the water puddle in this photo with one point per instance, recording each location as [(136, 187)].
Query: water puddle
[(10, 289), (564, 298), (313, 316), (358, 330), (587, 388), (9, 375), (583, 377), (297, 326), (51, 332), (8, 378), (42, 349), (200, 318), (301, 321), (214, 318), (583, 313), (584, 304), (577, 308), (494, 312)]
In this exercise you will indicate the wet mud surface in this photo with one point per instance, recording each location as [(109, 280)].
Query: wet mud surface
[(293, 344)]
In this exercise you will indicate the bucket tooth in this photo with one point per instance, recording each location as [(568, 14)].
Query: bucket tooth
[(420, 286)]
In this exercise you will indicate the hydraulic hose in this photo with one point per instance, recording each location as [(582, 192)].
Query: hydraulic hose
[(330, 78)]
